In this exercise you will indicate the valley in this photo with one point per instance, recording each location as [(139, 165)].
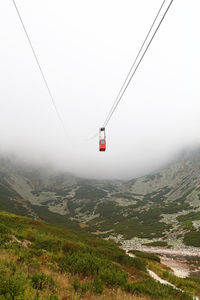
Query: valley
[(163, 206), (156, 217)]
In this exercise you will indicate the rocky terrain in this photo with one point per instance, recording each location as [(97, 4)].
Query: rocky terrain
[(162, 206)]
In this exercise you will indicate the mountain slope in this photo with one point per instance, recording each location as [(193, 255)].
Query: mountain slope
[(42, 261), (162, 205)]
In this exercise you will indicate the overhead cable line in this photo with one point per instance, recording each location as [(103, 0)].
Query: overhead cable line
[(40, 69), (126, 83), (135, 60)]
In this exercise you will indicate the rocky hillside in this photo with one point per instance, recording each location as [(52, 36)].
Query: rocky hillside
[(161, 206)]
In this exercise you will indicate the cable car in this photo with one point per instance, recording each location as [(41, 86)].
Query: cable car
[(102, 139)]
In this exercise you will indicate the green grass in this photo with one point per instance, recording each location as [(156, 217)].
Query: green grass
[(54, 255)]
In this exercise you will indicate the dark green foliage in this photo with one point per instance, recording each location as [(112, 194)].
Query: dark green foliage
[(46, 242), (90, 265), (10, 265), (4, 238), (76, 283), (139, 263), (156, 290), (113, 276), (159, 195), (11, 286), (187, 225), (41, 281), (24, 256), (97, 286), (69, 246), (89, 192), (85, 264), (82, 287), (192, 238), (53, 218), (128, 196), (189, 217), (141, 254), (157, 244), (53, 297), (4, 229)]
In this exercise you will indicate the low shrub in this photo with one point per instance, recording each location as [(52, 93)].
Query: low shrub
[(157, 244), (138, 263), (47, 242), (156, 290), (4, 229), (41, 281), (53, 297), (87, 264), (141, 254), (97, 286), (76, 283), (112, 276), (11, 286)]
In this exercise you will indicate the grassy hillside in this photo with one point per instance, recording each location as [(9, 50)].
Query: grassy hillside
[(42, 261)]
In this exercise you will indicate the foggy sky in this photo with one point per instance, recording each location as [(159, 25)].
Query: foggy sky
[(86, 49)]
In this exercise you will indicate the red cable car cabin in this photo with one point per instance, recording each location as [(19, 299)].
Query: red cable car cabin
[(102, 139), (102, 145)]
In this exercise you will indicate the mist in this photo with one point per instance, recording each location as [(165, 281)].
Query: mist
[(86, 49)]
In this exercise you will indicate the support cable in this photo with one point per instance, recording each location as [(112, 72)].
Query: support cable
[(127, 84), (135, 60), (40, 69)]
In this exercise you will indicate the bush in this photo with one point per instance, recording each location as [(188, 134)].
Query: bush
[(111, 276), (24, 256), (156, 290), (33, 265), (141, 254), (82, 287), (29, 234), (138, 263), (97, 286), (4, 229), (53, 297), (72, 246), (87, 264), (81, 263), (192, 238), (157, 244), (10, 265), (47, 242), (76, 283), (41, 281), (11, 286), (4, 239)]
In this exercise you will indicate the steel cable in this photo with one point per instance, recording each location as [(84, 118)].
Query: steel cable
[(127, 84), (40, 69), (135, 60)]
